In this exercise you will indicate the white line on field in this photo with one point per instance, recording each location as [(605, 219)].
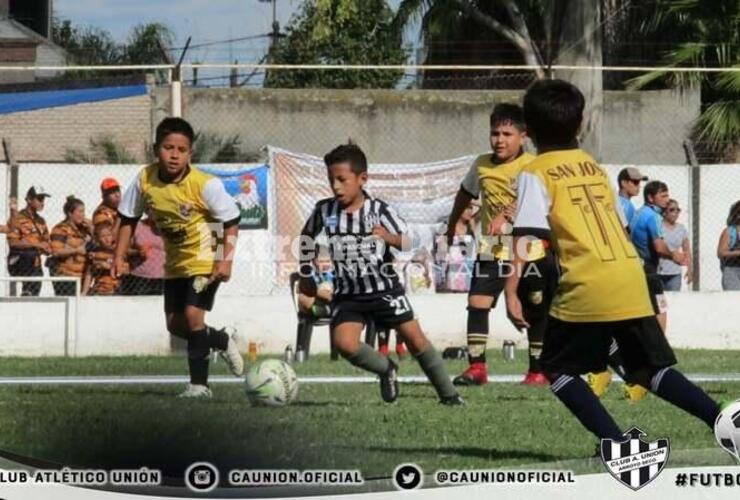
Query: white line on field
[(327, 379)]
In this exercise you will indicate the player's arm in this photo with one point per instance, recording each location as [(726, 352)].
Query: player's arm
[(130, 210), (223, 208), (530, 223), (393, 229), (469, 190)]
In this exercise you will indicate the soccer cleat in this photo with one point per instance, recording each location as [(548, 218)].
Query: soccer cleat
[(476, 374), (401, 350), (383, 350), (196, 391), (455, 400), (599, 382), (634, 393), (389, 383), (535, 378), (232, 357)]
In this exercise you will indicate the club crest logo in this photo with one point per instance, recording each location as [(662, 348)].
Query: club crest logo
[(635, 462), (372, 220), (186, 210), (332, 221)]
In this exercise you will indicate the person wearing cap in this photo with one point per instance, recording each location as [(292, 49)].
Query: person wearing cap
[(107, 211), (28, 240), (629, 186)]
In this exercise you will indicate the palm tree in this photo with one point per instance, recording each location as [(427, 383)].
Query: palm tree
[(707, 35)]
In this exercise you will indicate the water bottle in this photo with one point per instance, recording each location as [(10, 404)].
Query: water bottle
[(509, 350), (300, 356), (288, 357)]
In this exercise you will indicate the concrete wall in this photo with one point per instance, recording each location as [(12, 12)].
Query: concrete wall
[(36, 328), (411, 126), (392, 126)]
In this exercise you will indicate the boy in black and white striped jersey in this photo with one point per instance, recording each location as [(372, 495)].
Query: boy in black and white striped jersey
[(361, 231)]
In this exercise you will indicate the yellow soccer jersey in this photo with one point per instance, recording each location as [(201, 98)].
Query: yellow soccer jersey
[(182, 212), (568, 195), (496, 185)]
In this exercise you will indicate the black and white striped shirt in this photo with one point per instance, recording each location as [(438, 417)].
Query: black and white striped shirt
[(363, 263)]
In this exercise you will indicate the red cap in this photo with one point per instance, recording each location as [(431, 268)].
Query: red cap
[(109, 183)]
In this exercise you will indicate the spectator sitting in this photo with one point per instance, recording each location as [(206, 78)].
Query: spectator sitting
[(317, 303), (69, 240), (147, 271), (728, 250), (28, 240), (98, 279), (676, 237)]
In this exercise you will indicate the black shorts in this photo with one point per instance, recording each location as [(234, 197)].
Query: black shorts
[(386, 310), (536, 285), (657, 293), (179, 292), (578, 348)]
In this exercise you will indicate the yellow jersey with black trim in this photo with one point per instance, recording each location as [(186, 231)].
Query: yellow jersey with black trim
[(497, 187), (567, 196), (185, 213)]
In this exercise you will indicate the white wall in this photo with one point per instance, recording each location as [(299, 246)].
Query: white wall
[(135, 325)]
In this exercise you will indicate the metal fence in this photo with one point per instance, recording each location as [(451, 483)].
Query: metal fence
[(67, 130)]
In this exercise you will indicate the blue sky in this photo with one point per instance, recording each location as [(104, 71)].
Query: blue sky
[(204, 20)]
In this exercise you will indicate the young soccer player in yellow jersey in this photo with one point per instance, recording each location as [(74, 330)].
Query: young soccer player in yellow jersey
[(566, 197), (492, 176), (184, 203)]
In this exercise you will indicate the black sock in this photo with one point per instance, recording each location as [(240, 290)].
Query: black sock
[(581, 401), (198, 354), (615, 359), (671, 385), (217, 339), (477, 334)]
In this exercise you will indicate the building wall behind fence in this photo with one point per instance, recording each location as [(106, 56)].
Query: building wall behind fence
[(45, 135), (646, 127)]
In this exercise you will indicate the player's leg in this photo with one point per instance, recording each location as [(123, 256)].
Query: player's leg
[(346, 330), (648, 362), (485, 287), (430, 361), (535, 295), (569, 350)]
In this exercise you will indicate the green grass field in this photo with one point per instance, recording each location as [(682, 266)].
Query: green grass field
[(331, 425)]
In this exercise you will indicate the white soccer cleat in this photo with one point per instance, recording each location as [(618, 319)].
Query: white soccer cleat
[(231, 355), (196, 391)]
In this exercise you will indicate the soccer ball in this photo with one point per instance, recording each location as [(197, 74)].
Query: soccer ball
[(727, 428), (271, 383)]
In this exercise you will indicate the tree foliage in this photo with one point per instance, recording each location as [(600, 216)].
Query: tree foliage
[(91, 46), (339, 32), (705, 34)]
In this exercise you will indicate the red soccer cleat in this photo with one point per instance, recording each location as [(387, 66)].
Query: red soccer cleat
[(476, 374), (535, 378), (401, 350), (383, 349)]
